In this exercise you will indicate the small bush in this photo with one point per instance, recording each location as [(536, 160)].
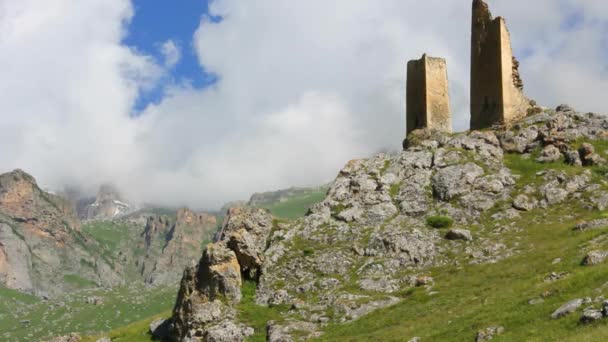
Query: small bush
[(439, 221), (308, 251)]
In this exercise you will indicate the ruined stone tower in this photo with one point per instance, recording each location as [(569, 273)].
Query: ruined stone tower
[(496, 88), (428, 101)]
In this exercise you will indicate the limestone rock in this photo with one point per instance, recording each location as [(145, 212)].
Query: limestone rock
[(595, 224), (523, 202), (228, 331), (180, 239), (459, 234), (549, 154), (246, 231), (594, 258), (567, 308), (455, 180), (488, 334), (590, 315)]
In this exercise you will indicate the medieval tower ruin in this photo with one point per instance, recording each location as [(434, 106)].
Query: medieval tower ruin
[(497, 96), (428, 101), (496, 88)]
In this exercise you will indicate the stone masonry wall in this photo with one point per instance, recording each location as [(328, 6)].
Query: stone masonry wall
[(428, 102)]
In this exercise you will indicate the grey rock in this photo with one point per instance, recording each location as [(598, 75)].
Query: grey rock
[(159, 328), (549, 154), (459, 234), (564, 108), (523, 202), (455, 180), (104, 339), (595, 258), (555, 195), (567, 308), (600, 201), (573, 158), (591, 315), (590, 225), (489, 333), (228, 331), (246, 231), (282, 332)]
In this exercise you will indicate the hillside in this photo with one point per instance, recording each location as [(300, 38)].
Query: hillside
[(458, 237)]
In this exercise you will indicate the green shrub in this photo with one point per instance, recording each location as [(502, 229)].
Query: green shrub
[(308, 251), (439, 221)]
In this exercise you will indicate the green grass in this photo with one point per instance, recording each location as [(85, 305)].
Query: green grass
[(134, 332), (439, 221), (254, 315), (120, 308), (473, 297), (78, 281), (109, 234), (296, 205)]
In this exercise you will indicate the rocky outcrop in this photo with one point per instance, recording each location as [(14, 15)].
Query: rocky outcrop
[(208, 291), (246, 231), (108, 204), (41, 246), (173, 244)]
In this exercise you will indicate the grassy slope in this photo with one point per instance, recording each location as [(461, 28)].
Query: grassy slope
[(472, 297), (297, 205), (120, 306)]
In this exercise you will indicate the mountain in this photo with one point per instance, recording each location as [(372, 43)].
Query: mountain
[(42, 249), (487, 234), (180, 242), (107, 205)]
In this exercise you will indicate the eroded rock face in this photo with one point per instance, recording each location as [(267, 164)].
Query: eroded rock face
[(40, 240), (208, 291), (246, 232), (181, 244)]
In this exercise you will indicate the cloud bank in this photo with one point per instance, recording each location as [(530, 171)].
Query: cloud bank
[(303, 86)]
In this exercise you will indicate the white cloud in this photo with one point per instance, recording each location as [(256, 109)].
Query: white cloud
[(172, 53), (303, 87)]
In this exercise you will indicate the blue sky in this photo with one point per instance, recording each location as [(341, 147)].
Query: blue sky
[(155, 22)]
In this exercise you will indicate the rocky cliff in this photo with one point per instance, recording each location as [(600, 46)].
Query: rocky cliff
[(387, 221), (108, 204), (171, 245), (42, 249)]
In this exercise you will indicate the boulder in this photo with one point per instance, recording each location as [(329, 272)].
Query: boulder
[(594, 258), (567, 308), (591, 315), (523, 202), (488, 334), (459, 234), (455, 180), (246, 231), (549, 154), (228, 331)]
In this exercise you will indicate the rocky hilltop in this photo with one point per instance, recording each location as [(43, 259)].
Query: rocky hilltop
[(387, 221), (41, 246)]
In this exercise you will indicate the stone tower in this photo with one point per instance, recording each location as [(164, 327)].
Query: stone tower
[(496, 88), (428, 101)]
